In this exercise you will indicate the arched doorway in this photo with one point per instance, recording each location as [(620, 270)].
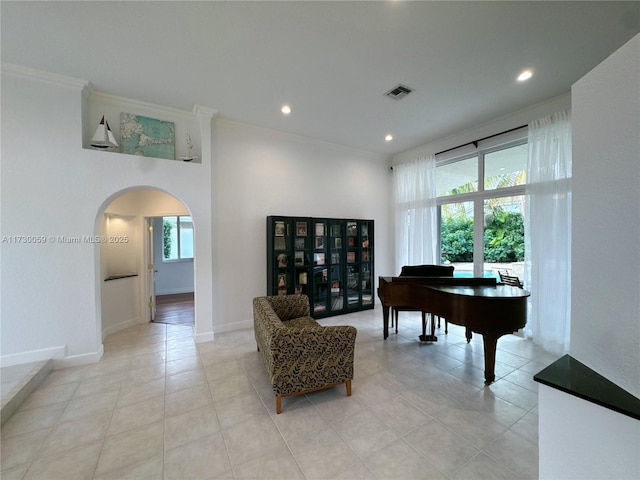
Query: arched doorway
[(126, 265)]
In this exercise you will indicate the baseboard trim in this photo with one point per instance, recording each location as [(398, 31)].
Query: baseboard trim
[(51, 353), (231, 327), (203, 337), (121, 326), (77, 360)]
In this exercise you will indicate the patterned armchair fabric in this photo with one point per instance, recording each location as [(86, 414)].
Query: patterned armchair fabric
[(301, 355)]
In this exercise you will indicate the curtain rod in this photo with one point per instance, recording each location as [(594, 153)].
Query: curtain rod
[(475, 142)]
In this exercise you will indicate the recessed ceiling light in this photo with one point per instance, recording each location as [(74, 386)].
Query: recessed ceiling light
[(286, 109), (525, 75), (388, 138)]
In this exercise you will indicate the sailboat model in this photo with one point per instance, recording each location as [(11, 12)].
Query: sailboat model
[(189, 156), (103, 138)]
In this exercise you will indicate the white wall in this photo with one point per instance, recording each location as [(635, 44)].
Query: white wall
[(260, 172), (605, 298), (51, 291), (579, 439), (51, 186)]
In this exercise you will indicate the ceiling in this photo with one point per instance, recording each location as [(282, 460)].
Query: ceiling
[(331, 62)]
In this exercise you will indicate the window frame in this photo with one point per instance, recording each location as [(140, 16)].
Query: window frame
[(494, 144), (179, 241)]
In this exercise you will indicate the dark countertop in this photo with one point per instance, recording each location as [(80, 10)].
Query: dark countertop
[(572, 377), (116, 277)]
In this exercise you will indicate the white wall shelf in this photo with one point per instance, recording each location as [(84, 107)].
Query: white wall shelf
[(96, 104)]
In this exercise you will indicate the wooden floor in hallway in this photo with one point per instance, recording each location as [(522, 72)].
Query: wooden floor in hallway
[(176, 309)]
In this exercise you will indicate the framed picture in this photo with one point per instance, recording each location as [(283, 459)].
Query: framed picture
[(302, 278), (299, 258), (336, 231), (282, 280), (351, 257), (320, 229), (280, 229), (335, 258), (351, 241), (299, 243), (337, 242), (301, 229), (147, 137), (319, 243), (283, 260), (352, 229), (318, 258)]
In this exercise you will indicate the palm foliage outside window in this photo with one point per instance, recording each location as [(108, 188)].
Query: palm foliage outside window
[(177, 238), (481, 209)]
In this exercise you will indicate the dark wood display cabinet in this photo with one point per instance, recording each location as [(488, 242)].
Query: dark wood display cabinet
[(328, 259)]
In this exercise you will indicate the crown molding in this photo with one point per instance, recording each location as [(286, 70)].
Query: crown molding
[(49, 77)]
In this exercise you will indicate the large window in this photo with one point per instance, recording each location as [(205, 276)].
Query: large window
[(177, 238), (481, 210)]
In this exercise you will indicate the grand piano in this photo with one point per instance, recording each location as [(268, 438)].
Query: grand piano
[(480, 305)]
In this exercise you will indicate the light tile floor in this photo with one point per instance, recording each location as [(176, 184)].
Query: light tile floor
[(158, 406)]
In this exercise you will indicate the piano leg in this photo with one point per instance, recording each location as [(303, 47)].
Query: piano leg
[(490, 341), (385, 321), (467, 334)]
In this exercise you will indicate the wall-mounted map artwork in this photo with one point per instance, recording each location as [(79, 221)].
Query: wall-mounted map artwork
[(147, 137)]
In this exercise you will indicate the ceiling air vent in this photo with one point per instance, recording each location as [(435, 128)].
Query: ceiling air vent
[(399, 92)]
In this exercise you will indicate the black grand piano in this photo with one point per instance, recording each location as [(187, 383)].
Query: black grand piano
[(481, 305)]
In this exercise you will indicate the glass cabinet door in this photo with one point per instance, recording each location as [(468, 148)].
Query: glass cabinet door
[(301, 257), (320, 268), (366, 262), (336, 254), (280, 268)]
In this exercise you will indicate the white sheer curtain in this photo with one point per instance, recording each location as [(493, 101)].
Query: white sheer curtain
[(548, 232), (416, 214)]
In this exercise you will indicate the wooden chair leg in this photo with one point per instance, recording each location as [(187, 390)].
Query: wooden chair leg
[(348, 385), (278, 404)]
